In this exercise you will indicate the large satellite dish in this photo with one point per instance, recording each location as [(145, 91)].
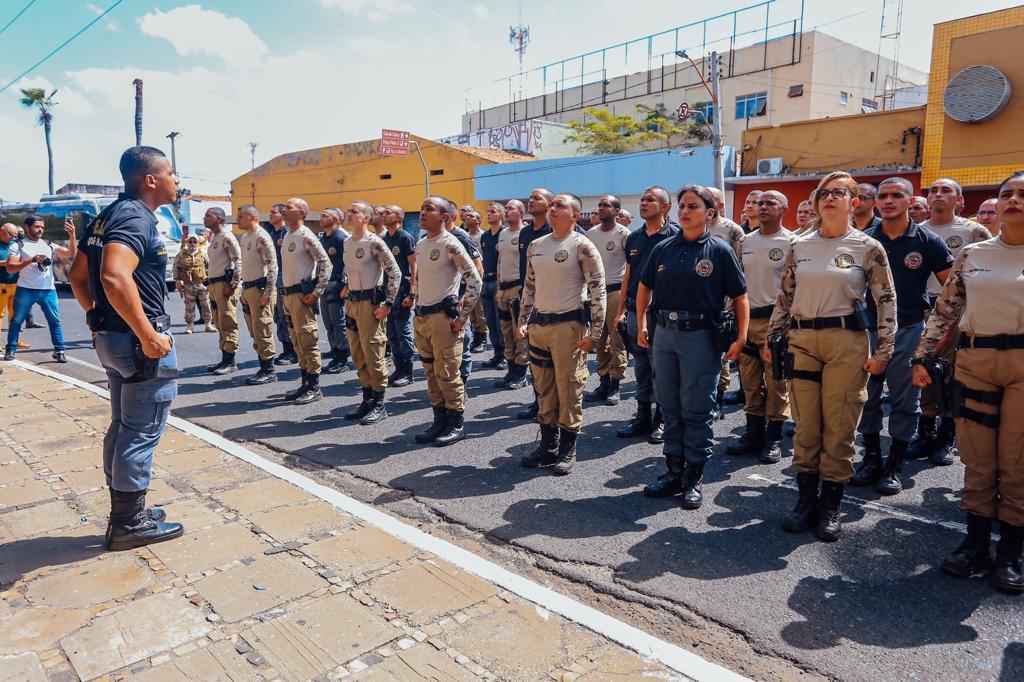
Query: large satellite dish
[(976, 94)]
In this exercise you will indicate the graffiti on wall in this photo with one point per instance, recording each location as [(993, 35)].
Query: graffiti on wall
[(524, 136)]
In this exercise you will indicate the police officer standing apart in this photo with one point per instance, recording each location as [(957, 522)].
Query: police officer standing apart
[(225, 274), (190, 281), (509, 288), (399, 326), (984, 296), (763, 255), (367, 261), (306, 273), (331, 306), (554, 321), (689, 277), (489, 296), (259, 289), (915, 254), (443, 264), (610, 237), (278, 231), (821, 305), (118, 278), (655, 205)]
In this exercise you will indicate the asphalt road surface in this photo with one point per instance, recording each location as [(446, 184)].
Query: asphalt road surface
[(872, 606)]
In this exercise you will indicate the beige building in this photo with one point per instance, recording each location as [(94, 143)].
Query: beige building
[(794, 78)]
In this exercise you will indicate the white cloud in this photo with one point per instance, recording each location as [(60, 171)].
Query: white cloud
[(479, 11), (374, 10), (193, 30)]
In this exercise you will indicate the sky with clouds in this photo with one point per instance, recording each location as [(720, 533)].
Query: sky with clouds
[(308, 73)]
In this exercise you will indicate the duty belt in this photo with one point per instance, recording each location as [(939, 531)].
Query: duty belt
[(762, 313), (361, 295), (444, 305), (838, 322), (261, 283), (114, 323), (222, 278), (293, 289), (683, 320), (555, 318), (612, 288), (490, 277), (509, 285), (997, 342)]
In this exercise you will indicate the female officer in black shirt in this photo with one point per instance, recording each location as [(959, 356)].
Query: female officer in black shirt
[(689, 275)]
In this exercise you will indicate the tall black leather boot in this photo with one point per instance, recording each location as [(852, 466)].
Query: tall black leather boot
[(830, 526), (155, 513), (566, 452), (287, 356), (669, 483), (362, 408), (613, 392), (546, 451), (870, 469), (479, 344), (266, 375), (377, 410), (454, 429), (923, 444), (600, 393), (772, 451), (752, 440), (640, 425), (890, 483), (805, 513), (224, 361), (945, 443), (293, 394), (435, 429), (1006, 573), (657, 435), (693, 475), (517, 377), (131, 526), (312, 392), (974, 554), (530, 411)]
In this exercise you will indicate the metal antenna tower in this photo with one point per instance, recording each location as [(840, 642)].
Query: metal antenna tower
[(519, 39), (889, 42)]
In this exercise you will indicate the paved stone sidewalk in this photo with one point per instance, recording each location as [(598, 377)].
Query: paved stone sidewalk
[(268, 583)]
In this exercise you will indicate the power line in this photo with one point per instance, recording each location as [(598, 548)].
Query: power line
[(23, 10), (60, 47)]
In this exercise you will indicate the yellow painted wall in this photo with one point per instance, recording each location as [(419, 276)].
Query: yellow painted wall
[(333, 177)]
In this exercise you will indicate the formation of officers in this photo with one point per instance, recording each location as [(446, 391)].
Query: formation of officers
[(874, 295)]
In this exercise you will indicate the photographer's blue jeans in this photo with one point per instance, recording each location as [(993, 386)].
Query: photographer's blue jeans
[(138, 412), (46, 299)]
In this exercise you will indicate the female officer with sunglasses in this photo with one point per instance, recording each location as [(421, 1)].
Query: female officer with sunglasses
[(821, 307)]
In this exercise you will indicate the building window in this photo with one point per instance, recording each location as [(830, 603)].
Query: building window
[(844, 98), (796, 90), (749, 106), (868, 105), (385, 176), (437, 171), (871, 78)]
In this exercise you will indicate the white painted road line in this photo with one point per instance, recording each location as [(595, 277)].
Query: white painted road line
[(670, 655)]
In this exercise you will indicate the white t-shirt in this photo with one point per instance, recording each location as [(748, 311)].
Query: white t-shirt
[(32, 277)]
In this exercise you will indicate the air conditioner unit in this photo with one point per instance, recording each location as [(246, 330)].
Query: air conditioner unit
[(771, 166)]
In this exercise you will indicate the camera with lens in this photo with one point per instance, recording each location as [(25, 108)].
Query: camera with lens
[(46, 262)]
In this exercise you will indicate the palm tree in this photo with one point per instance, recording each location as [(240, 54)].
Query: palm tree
[(138, 111), (37, 98)]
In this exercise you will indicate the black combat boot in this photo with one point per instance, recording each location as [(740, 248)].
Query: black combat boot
[(546, 451), (772, 451), (613, 392), (312, 392), (362, 408), (870, 470), (752, 440), (292, 395), (657, 435), (1006, 573), (510, 372), (479, 344), (693, 475), (600, 393), (402, 375), (287, 356), (224, 361), (154, 513), (518, 377), (530, 411), (227, 365), (338, 363), (720, 406), (497, 362), (734, 398), (436, 428), (890, 483), (974, 554), (266, 375), (566, 452), (669, 483), (377, 410), (830, 526), (923, 444), (640, 425), (131, 526), (945, 443), (805, 513), (454, 430)]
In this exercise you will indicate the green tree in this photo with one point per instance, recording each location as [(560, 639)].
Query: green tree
[(661, 126), (601, 132), (36, 98)]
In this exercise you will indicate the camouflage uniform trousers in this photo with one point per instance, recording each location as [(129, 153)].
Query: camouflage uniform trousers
[(190, 292)]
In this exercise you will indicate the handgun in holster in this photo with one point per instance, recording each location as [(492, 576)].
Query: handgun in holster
[(946, 395), (514, 307), (723, 331), (782, 359), (623, 330), (860, 313)]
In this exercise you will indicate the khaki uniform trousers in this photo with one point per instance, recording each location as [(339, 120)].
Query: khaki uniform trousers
[(765, 396), (367, 344), (559, 373), (993, 457), (477, 318), (611, 351), (259, 319), (225, 315), (304, 330), (192, 292), (6, 303), (440, 351), (515, 350), (827, 411)]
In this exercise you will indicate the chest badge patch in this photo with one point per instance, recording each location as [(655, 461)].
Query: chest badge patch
[(332, 251), (843, 261), (561, 256), (515, 241), (248, 247), (610, 246), (291, 247), (705, 267), (955, 241), (395, 250), (913, 260), (775, 254), (435, 254), (360, 252)]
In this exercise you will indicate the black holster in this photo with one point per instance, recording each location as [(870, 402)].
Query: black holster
[(940, 371), (723, 331), (652, 326), (623, 330), (782, 359)]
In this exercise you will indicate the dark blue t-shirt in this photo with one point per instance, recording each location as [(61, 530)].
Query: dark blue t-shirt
[(914, 257), (334, 246), (695, 276), (129, 222), (489, 253), (467, 243), (527, 236), (402, 245), (638, 247)]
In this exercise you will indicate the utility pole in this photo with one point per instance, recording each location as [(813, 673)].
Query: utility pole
[(174, 158), (252, 152), (716, 137)]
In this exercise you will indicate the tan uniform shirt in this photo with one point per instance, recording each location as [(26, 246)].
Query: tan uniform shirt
[(441, 265), (823, 276), (763, 259), (224, 254), (508, 255), (557, 272), (258, 256), (368, 261), (611, 245), (303, 257), (729, 231), (985, 291), (957, 235)]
